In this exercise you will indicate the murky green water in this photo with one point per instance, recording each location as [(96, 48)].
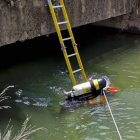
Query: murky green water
[(41, 73)]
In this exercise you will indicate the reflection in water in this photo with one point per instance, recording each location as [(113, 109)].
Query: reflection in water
[(42, 76)]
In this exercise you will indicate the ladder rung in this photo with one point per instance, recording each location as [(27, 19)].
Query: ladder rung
[(64, 22), (67, 38), (59, 6), (77, 70), (72, 55)]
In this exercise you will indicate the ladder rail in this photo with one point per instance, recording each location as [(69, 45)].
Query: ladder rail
[(73, 41), (66, 56), (61, 42)]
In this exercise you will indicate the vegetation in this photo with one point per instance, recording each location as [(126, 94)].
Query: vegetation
[(26, 128), (3, 97), (23, 134)]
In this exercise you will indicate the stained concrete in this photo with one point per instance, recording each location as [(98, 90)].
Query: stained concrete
[(27, 19), (128, 22)]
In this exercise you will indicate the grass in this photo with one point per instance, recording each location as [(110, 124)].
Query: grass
[(3, 97), (26, 129), (23, 134)]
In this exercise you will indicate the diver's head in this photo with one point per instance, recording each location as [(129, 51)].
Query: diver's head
[(102, 83)]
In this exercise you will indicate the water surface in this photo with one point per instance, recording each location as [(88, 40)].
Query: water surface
[(38, 68)]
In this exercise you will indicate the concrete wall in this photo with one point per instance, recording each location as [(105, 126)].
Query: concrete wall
[(128, 22), (26, 19)]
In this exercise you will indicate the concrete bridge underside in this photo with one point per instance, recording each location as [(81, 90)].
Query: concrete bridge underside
[(27, 19)]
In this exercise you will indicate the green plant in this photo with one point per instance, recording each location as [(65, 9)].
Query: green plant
[(3, 97), (23, 134)]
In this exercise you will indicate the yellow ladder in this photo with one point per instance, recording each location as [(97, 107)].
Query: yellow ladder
[(56, 23)]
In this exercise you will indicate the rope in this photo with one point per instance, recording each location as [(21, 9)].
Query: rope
[(112, 116), (108, 123)]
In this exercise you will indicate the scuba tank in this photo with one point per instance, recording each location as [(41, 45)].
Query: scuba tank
[(86, 90)]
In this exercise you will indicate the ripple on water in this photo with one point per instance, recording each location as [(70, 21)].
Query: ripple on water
[(92, 123), (103, 118), (130, 76), (131, 137), (104, 127), (130, 131), (88, 138), (103, 133)]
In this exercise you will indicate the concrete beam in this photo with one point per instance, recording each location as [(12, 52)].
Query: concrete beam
[(26, 19), (128, 22)]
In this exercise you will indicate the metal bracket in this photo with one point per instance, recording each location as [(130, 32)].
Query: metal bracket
[(49, 2), (63, 48), (75, 44)]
